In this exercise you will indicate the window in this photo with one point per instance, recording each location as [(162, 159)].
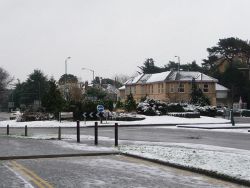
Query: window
[(181, 88), (171, 88), (205, 88), (162, 88), (159, 88), (152, 91)]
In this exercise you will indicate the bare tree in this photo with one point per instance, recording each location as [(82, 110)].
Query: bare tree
[(121, 78)]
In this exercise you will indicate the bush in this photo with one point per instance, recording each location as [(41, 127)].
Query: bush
[(186, 114), (207, 111), (151, 107), (245, 113)]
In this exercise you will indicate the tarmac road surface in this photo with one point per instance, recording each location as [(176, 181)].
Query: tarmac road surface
[(99, 171), (153, 134)]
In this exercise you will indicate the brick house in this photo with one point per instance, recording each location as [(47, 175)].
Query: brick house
[(169, 86)]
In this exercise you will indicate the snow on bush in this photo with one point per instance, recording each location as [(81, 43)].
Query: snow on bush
[(152, 107)]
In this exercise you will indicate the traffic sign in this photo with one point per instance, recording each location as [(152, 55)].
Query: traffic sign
[(93, 114), (100, 108)]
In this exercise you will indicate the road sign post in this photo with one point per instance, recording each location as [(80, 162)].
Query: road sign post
[(100, 109), (84, 115)]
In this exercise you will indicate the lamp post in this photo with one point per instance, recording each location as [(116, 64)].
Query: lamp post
[(65, 77), (93, 72), (179, 62), (178, 73)]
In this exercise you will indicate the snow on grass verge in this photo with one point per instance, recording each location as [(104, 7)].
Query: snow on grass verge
[(227, 161), (160, 120)]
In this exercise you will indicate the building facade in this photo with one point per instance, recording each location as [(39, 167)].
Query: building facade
[(170, 86)]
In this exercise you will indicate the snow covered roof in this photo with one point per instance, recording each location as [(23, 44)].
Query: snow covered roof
[(148, 78), (189, 75), (133, 80), (170, 76), (158, 77), (219, 87), (122, 88)]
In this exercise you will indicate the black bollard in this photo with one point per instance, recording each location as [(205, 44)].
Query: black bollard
[(96, 133), (78, 131), (8, 129), (26, 131), (59, 133), (116, 134), (232, 118)]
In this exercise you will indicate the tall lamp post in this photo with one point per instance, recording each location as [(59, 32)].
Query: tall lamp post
[(179, 62), (93, 72), (65, 77), (178, 73)]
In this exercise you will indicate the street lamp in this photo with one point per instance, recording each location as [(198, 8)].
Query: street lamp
[(179, 62), (93, 72), (65, 77)]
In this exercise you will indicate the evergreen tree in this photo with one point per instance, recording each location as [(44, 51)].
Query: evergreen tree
[(34, 88), (5, 80), (130, 104), (149, 67), (53, 101), (197, 96)]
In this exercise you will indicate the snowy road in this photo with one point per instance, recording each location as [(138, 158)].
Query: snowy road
[(105, 171), (155, 134)]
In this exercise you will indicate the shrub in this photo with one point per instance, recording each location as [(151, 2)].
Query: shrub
[(207, 111), (245, 113), (151, 107)]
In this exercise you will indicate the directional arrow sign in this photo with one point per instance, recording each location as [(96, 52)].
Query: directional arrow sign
[(91, 115), (84, 114), (98, 114)]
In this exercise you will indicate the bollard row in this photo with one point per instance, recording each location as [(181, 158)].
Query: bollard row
[(77, 132)]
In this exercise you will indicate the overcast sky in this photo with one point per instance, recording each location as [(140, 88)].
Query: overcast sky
[(112, 36)]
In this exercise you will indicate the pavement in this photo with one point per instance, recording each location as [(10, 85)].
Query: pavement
[(20, 148)]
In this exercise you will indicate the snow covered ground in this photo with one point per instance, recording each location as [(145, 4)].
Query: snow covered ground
[(160, 120), (216, 126), (222, 160), (227, 161)]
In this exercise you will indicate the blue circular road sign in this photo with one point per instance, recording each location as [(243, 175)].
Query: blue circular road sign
[(100, 108)]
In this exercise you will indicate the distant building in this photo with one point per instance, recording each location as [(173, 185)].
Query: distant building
[(170, 86)]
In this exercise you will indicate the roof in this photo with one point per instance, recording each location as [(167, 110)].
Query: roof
[(219, 87), (189, 75), (133, 80), (158, 77), (122, 88), (170, 76)]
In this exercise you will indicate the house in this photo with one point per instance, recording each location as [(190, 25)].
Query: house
[(170, 86), (222, 95)]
